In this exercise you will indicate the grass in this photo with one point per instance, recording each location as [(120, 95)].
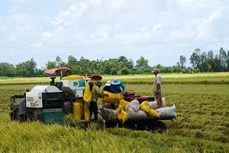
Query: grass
[(202, 124), (36, 137)]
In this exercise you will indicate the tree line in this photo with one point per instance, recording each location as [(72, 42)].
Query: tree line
[(201, 62)]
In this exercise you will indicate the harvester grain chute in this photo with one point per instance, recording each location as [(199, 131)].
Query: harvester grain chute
[(70, 96)]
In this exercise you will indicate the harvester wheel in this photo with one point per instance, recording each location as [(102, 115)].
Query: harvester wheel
[(145, 124), (22, 118), (14, 115), (111, 123), (159, 126)]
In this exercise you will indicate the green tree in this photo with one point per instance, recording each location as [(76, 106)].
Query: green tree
[(142, 65), (50, 65), (182, 61), (223, 59), (84, 65), (227, 62), (195, 58), (73, 64), (124, 71), (7, 69), (124, 62), (26, 69), (60, 62), (111, 66)]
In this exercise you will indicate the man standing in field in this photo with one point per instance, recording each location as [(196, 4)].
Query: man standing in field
[(157, 87), (96, 93)]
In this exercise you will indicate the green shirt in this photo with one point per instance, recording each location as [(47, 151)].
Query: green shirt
[(96, 93)]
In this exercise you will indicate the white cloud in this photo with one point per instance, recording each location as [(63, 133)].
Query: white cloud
[(187, 33), (114, 27), (192, 3), (100, 36), (46, 35), (19, 17), (74, 12), (3, 28), (216, 15), (117, 3), (96, 2)]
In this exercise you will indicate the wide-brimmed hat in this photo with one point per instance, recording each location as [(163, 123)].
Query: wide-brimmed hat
[(98, 83), (115, 82)]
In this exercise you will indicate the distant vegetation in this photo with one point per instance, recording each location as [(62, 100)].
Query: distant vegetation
[(201, 62)]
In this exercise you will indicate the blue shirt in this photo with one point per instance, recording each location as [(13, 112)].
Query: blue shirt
[(117, 88)]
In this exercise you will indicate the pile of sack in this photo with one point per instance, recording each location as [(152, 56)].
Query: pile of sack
[(135, 110)]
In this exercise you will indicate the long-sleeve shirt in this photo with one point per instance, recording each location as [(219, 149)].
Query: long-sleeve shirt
[(96, 93), (117, 88)]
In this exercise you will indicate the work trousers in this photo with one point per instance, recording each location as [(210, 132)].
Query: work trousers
[(94, 109)]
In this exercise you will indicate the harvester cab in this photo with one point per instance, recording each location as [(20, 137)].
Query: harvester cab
[(38, 104), (43, 103), (48, 103)]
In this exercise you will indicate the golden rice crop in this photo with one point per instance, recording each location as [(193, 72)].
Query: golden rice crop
[(202, 123)]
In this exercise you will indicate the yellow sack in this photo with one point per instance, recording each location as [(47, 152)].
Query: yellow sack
[(123, 116), (144, 106), (87, 95), (153, 113), (86, 111), (124, 102), (119, 115), (112, 97), (77, 110), (122, 105), (120, 108)]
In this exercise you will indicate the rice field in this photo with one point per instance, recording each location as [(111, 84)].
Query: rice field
[(176, 78), (202, 123)]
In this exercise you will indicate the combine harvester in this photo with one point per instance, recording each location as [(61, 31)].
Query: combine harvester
[(71, 95)]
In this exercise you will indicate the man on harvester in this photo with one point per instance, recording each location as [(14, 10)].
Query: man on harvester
[(117, 86)]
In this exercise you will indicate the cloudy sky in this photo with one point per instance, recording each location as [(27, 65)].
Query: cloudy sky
[(158, 30)]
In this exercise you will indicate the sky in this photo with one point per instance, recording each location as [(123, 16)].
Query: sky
[(158, 30)]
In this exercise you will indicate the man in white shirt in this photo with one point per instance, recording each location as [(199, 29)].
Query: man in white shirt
[(157, 87)]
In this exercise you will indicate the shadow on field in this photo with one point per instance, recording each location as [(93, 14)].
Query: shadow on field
[(142, 124)]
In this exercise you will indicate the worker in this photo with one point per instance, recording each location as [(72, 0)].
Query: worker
[(157, 87), (117, 86), (107, 86), (96, 93)]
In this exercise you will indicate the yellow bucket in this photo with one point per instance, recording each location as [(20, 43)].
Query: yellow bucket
[(77, 113)]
